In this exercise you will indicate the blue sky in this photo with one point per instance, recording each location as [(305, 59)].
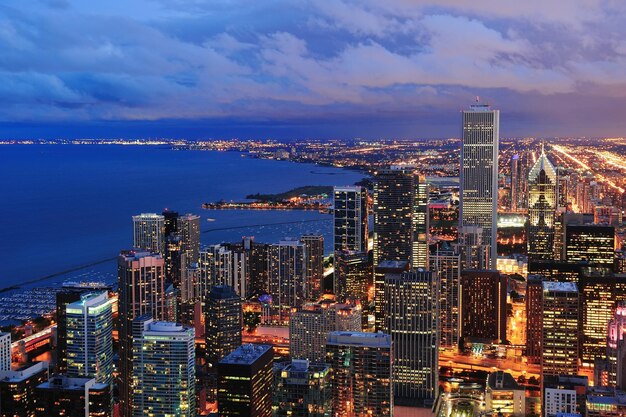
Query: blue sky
[(318, 68)]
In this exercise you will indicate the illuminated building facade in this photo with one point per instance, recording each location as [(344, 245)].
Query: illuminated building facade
[(446, 263), (73, 397), (141, 284), (314, 265), (5, 351), (309, 328), (90, 338), (561, 336), (223, 323), (616, 348), (362, 375), (479, 177), (302, 389), (483, 304), (594, 244), (149, 232), (245, 382), (352, 276), (542, 204), (17, 389), (504, 394), (287, 278), (564, 395), (164, 377), (534, 318), (411, 321), (381, 271), (350, 219)]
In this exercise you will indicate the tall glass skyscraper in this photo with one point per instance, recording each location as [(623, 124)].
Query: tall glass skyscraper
[(90, 337), (350, 212), (164, 377), (149, 232), (479, 177), (287, 278), (542, 204)]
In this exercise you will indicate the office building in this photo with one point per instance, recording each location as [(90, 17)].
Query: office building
[(503, 393), (309, 328), (561, 336), (225, 264), (350, 219), (73, 397), (401, 216), (286, 278), (361, 383), (446, 263), (141, 284), (411, 317), (17, 389), (518, 195), (593, 244), (258, 253), (188, 228), (352, 277), (90, 338), (314, 265), (564, 395), (556, 270), (483, 305), (149, 232), (223, 323), (245, 382), (534, 318), (5, 351), (478, 189), (616, 350), (302, 389), (164, 379), (381, 271), (605, 403), (542, 205)]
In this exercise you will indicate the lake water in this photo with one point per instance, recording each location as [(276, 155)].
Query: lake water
[(64, 206)]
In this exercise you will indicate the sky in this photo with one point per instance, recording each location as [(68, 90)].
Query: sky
[(309, 69)]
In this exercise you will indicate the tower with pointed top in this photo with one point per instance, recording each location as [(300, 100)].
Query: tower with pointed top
[(542, 204)]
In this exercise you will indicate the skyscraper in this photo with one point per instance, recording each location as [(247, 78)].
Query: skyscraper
[(5, 351), (446, 263), (542, 205), (560, 337), (149, 232), (287, 278), (188, 228), (302, 389), (483, 304), (164, 378), (17, 389), (534, 318), (73, 397), (401, 217), (479, 177), (314, 264), (309, 328), (381, 271), (141, 284), (594, 244), (412, 315), (90, 338), (361, 382), (350, 215), (352, 276), (223, 323), (515, 183), (245, 381)]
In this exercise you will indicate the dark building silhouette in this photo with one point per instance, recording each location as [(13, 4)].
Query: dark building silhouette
[(483, 304)]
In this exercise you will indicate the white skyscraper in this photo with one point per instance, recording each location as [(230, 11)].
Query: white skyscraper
[(286, 278), (5, 351), (479, 177), (90, 337), (149, 232), (164, 377)]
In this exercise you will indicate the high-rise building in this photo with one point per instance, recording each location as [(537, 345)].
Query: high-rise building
[(309, 328), (73, 397), (616, 350), (401, 216), (534, 317), (141, 284), (600, 294), (517, 194), (245, 381), (164, 379), (223, 323), (381, 271), (542, 205), (564, 395), (353, 276), (351, 219), (504, 394), (188, 228), (90, 338), (259, 253), (594, 244), (314, 264), (446, 263), (479, 176), (225, 264), (5, 351), (287, 278), (302, 389), (411, 317), (17, 389), (361, 382), (560, 338), (483, 304), (149, 232)]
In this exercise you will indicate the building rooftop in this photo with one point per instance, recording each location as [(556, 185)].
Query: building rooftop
[(65, 383), (501, 380), (360, 339), (222, 292), (554, 286), (23, 373), (246, 354), (393, 265)]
